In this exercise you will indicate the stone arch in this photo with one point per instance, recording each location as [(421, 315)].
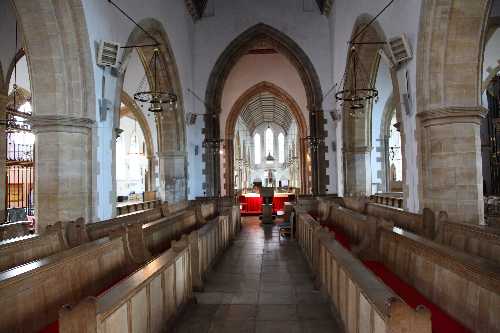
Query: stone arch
[(449, 62), (357, 142), (233, 117), (171, 127), (310, 79), (141, 119), (60, 66)]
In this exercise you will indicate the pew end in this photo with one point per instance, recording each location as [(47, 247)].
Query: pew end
[(80, 317)]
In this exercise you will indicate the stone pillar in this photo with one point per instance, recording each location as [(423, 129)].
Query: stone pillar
[(3, 156), (63, 169), (451, 162), (173, 181), (357, 174)]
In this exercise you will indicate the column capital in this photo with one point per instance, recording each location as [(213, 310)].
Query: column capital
[(60, 123), (452, 114)]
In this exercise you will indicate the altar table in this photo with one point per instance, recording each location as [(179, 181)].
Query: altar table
[(251, 203)]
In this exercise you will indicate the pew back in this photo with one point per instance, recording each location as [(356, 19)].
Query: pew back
[(147, 301), (464, 286), (159, 234), (31, 294), (477, 240), (363, 302), (14, 230), (21, 250), (421, 224)]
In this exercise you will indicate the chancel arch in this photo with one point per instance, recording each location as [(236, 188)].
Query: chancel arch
[(258, 108), (262, 34)]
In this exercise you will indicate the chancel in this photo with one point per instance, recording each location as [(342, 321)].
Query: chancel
[(250, 166)]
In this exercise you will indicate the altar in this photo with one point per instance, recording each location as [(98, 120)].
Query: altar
[(251, 203)]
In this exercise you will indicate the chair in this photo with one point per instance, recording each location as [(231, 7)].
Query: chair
[(285, 228)]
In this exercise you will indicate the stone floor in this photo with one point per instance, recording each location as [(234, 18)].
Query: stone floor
[(259, 285)]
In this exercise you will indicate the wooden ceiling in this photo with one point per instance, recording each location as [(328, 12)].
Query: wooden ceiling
[(197, 7), (266, 108)]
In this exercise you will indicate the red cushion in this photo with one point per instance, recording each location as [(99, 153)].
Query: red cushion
[(51, 328), (441, 321), (340, 236)]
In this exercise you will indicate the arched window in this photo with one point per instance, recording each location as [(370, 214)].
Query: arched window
[(256, 143), (269, 142), (395, 157), (281, 148)]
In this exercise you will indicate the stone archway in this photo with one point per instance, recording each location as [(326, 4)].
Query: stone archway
[(233, 117), (62, 86), (215, 86), (132, 106), (451, 45), (171, 128)]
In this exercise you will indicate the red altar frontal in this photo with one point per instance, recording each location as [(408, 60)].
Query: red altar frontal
[(251, 203)]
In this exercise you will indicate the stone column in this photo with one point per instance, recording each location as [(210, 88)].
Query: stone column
[(3, 156), (357, 175), (63, 169), (173, 181), (451, 162)]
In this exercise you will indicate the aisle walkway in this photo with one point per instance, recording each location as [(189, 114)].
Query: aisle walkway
[(259, 285)]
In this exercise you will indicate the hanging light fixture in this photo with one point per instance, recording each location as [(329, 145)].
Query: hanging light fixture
[(156, 97), (355, 88), (269, 158)]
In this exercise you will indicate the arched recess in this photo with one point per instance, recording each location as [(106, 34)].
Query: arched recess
[(449, 65), (215, 87), (357, 130), (170, 124), (60, 65), (231, 125), (132, 106)]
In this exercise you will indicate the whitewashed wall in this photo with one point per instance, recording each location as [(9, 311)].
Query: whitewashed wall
[(105, 22)]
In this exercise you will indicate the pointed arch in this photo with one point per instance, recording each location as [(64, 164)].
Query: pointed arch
[(233, 117), (308, 75)]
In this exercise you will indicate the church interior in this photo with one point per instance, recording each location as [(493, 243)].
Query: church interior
[(256, 166)]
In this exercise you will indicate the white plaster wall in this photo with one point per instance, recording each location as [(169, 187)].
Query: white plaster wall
[(384, 86), (298, 19), (105, 22), (401, 17)]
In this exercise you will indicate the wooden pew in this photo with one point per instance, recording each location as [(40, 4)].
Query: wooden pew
[(31, 294), (159, 234), (146, 301), (18, 251), (482, 241), (466, 287), (363, 302), (421, 224), (151, 298), (360, 230), (137, 207), (14, 230)]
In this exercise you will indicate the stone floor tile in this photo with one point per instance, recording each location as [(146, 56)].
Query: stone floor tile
[(278, 327)]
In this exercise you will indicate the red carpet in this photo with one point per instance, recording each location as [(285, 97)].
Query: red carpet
[(441, 321)]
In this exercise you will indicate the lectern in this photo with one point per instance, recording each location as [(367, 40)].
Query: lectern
[(267, 194)]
